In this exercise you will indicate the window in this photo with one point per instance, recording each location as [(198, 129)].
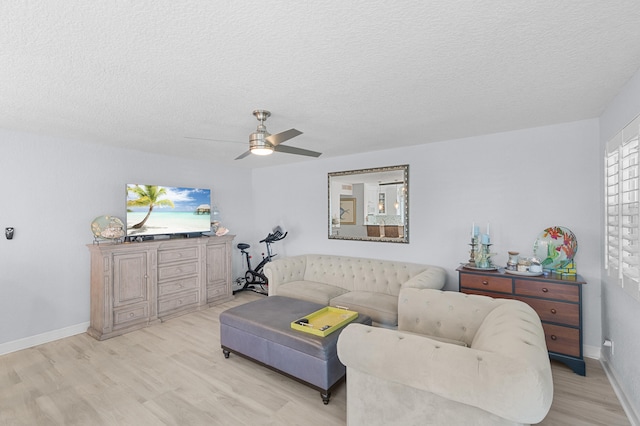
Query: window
[(622, 209)]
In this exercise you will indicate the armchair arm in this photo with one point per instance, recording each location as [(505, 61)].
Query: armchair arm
[(284, 270), (432, 277), (507, 387)]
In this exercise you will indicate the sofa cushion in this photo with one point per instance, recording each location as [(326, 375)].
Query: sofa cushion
[(382, 308), (311, 291)]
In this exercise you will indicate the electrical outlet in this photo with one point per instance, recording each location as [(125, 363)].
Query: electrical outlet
[(609, 344)]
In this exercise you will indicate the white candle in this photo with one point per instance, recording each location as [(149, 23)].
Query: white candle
[(487, 228)]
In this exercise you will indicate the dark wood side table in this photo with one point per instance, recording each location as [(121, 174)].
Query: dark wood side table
[(557, 300)]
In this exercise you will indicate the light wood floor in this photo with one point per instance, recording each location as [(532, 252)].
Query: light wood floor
[(174, 373)]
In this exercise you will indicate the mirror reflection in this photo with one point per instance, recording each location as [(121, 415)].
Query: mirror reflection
[(370, 204)]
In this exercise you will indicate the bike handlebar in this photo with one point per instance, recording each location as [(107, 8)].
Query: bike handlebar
[(276, 236)]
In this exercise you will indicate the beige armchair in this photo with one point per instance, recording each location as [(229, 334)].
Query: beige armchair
[(455, 359)]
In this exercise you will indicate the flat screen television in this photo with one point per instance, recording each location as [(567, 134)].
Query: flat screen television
[(167, 210)]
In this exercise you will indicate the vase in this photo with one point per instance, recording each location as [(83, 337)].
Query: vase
[(512, 263)]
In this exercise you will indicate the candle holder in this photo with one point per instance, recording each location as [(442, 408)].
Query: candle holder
[(483, 256), (472, 252)]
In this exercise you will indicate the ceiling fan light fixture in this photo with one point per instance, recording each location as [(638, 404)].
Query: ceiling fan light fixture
[(261, 150), (257, 143)]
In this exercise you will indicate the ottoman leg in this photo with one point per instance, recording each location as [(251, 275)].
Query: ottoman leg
[(325, 397), (226, 353)]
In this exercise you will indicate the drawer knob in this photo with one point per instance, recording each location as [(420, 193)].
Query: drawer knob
[(553, 311), (485, 282), (545, 290), (554, 337), (130, 314)]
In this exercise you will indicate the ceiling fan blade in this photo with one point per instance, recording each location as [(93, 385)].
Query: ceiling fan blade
[(298, 151), (277, 139), (244, 154)]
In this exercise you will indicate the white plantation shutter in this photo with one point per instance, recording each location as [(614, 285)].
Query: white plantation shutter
[(622, 209), (612, 213)]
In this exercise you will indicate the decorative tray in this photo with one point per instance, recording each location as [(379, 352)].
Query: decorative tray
[(523, 273), (324, 321), (475, 268)]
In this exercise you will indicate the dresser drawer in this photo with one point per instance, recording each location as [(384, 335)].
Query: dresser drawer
[(177, 286), (217, 291), (486, 283), (563, 340), (177, 302), (170, 272), (130, 314), (552, 311), (175, 255), (567, 292)]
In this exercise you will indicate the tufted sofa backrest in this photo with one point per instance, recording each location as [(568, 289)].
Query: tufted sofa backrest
[(447, 314), (360, 274), (286, 269)]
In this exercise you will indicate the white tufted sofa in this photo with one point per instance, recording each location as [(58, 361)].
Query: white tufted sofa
[(422, 373), (368, 286)]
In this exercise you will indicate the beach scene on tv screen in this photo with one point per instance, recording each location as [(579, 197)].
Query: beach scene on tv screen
[(157, 210)]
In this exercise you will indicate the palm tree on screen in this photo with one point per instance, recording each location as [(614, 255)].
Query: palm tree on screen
[(148, 195)]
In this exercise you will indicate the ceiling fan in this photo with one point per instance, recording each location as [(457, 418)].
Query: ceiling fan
[(261, 142)]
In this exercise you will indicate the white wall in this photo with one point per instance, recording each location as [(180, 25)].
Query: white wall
[(621, 313), (521, 182), (51, 190)]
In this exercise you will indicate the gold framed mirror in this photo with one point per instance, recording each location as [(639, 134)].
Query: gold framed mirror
[(369, 204)]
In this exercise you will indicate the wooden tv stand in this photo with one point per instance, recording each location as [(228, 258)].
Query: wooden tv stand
[(137, 284)]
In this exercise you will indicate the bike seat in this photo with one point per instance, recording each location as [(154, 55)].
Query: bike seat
[(243, 246)]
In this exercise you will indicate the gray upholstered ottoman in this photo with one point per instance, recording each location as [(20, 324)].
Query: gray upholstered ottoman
[(261, 331)]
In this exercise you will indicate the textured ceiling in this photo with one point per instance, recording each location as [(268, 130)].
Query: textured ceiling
[(352, 75)]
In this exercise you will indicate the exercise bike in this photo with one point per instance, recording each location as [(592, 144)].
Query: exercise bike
[(254, 278)]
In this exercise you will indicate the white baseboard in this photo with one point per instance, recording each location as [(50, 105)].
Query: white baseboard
[(591, 351), (39, 339), (629, 410)]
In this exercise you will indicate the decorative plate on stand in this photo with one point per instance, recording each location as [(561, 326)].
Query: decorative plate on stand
[(555, 247), (107, 228)]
